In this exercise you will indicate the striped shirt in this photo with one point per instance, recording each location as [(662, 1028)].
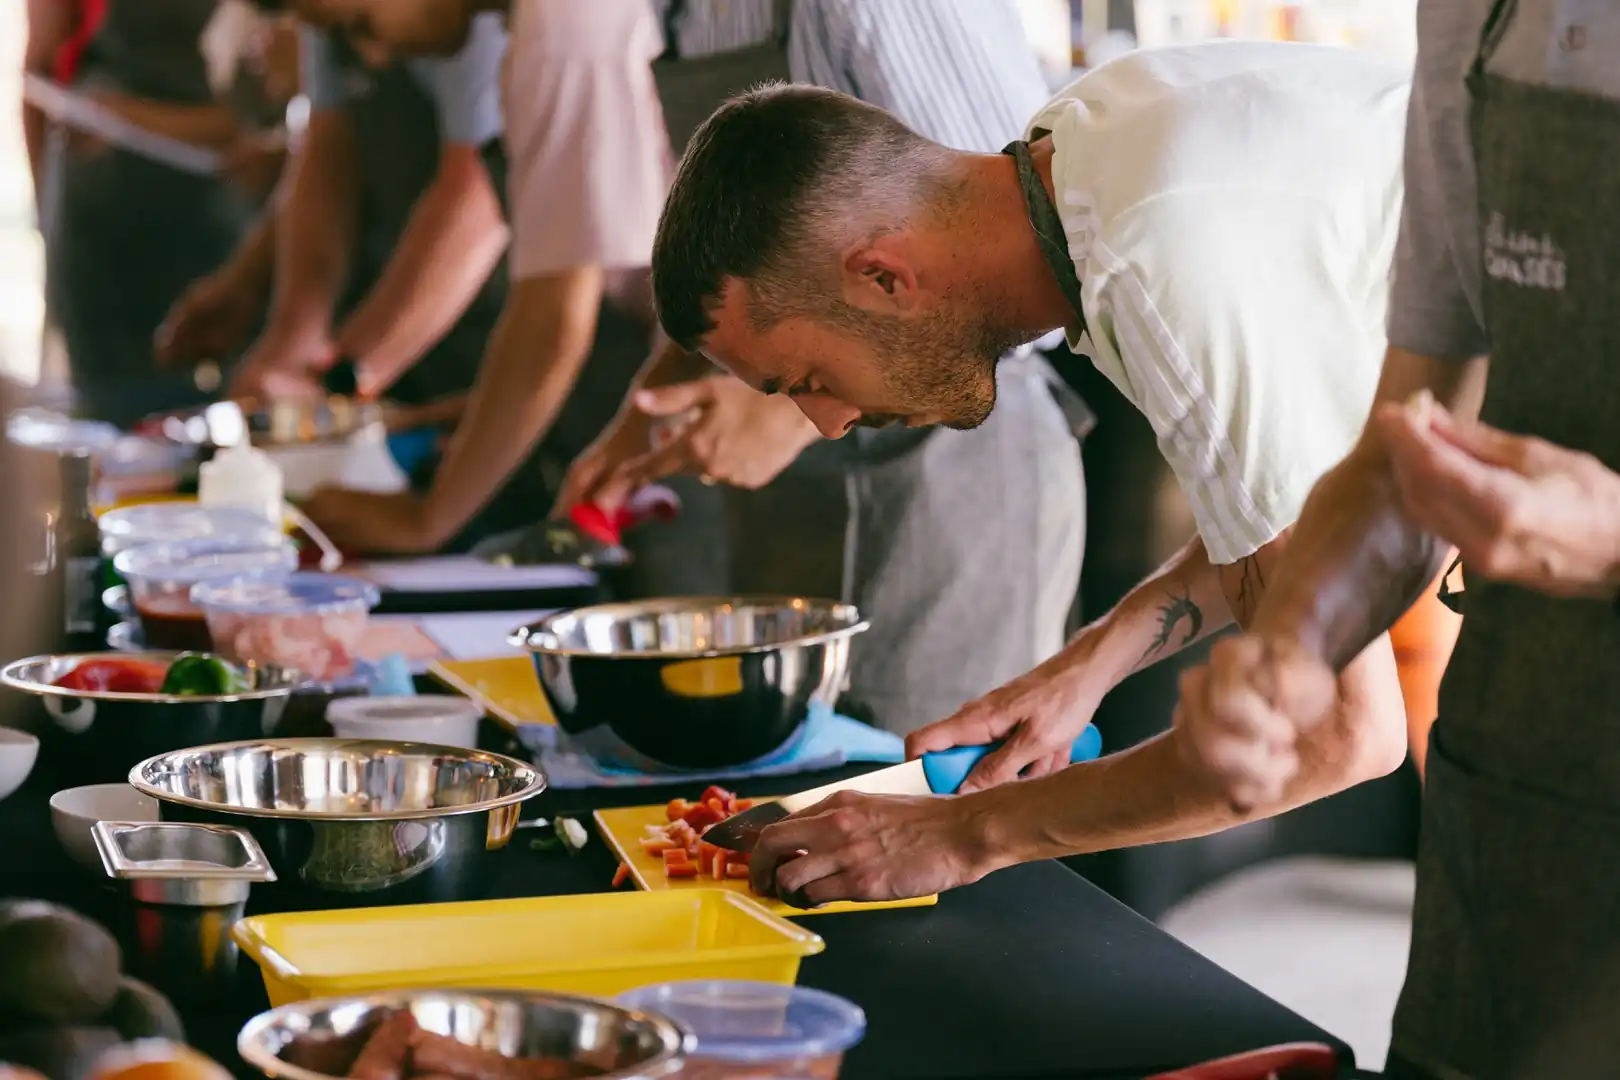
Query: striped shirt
[(1231, 210), (960, 72)]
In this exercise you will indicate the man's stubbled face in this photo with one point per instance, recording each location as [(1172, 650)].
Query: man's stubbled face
[(857, 369)]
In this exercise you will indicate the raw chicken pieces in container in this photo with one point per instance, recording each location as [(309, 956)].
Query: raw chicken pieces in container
[(312, 623)]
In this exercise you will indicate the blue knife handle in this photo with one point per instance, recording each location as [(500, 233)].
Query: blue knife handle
[(946, 769)]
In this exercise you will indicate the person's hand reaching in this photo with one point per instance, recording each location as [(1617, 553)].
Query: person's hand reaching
[(1037, 716)]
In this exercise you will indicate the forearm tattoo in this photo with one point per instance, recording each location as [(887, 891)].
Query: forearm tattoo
[(1251, 587), (1175, 611)]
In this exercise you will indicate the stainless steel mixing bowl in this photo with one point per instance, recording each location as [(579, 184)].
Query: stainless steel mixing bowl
[(351, 822), (314, 1040), (107, 732), (693, 682)]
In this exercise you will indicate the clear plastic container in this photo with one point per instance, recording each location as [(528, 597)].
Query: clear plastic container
[(161, 576), (757, 1030), (312, 623), (149, 523)]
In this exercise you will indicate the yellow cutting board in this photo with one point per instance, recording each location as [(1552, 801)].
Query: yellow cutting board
[(506, 686), (624, 827)]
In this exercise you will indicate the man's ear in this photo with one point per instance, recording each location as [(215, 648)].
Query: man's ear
[(879, 276)]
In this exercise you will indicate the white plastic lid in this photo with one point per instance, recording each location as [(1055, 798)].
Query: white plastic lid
[(186, 562), (755, 1022), (148, 523), (296, 594), (403, 709)]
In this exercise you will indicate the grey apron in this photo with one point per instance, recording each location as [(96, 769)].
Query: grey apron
[(124, 234), (1515, 933)]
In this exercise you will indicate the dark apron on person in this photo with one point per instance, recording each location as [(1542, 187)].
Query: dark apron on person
[(125, 235), (398, 145), (695, 553), (1516, 931)]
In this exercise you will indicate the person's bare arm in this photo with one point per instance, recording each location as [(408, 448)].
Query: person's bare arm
[(1357, 562), (452, 242), (50, 25), (315, 229), (533, 360), (1150, 794), (1179, 605), (210, 125)]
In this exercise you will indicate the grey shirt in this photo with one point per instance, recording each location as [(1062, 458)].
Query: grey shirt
[(1435, 307)]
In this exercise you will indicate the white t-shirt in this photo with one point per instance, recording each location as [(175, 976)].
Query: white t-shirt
[(1231, 209)]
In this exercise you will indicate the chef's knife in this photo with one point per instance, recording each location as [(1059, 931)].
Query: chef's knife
[(939, 773)]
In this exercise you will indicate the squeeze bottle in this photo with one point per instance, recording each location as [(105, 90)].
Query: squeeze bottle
[(242, 476)]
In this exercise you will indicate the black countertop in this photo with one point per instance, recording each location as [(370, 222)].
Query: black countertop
[(1033, 972)]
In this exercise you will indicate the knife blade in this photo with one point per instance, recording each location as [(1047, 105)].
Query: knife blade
[(939, 773)]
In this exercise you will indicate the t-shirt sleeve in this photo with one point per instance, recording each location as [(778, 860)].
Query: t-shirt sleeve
[(588, 154), (1434, 307), (1251, 358), (466, 87), (325, 83)]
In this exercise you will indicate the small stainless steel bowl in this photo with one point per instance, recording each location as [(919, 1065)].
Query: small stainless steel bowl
[(316, 1040), (109, 732), (693, 682), (349, 822)]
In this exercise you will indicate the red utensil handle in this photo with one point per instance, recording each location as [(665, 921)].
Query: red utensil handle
[(1290, 1061), (594, 522)]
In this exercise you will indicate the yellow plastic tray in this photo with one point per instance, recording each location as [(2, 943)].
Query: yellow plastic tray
[(506, 686), (623, 828), (599, 944)]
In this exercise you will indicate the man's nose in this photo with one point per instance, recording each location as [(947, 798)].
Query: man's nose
[(832, 418)]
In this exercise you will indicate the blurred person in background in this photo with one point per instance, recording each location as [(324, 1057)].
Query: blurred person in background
[(381, 269), (125, 233), (588, 165)]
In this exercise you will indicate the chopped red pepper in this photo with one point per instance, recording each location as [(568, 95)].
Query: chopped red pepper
[(716, 792), (115, 675), (621, 875), (701, 817)]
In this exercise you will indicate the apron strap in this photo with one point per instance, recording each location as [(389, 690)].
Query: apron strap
[(1054, 245), (1490, 36), (1048, 226)]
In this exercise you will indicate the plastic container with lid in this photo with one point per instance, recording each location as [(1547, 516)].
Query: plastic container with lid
[(149, 523), (310, 622), (160, 577), (757, 1030), (442, 719)]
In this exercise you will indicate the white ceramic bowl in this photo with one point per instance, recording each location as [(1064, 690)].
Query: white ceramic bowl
[(18, 750), (439, 719), (75, 811)]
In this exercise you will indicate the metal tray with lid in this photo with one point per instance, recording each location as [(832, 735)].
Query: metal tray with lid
[(190, 864)]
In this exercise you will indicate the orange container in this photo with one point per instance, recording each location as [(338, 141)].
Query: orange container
[(1423, 639)]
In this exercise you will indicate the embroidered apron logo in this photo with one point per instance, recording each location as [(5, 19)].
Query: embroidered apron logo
[(1534, 262)]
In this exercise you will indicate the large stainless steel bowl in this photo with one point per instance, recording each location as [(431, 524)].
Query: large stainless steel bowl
[(106, 732), (692, 682), (351, 822), (314, 1040)]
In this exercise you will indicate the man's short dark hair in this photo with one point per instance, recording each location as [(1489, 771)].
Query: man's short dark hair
[(768, 184)]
